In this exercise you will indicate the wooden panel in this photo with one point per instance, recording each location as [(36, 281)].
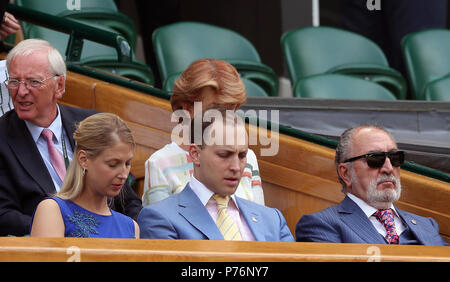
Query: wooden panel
[(300, 155), (134, 106), (80, 90), (292, 204), (92, 249)]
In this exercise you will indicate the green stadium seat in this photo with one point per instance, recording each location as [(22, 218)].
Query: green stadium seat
[(426, 56), (319, 50), (179, 44), (95, 54), (438, 90), (252, 89), (97, 12), (338, 86), (170, 81)]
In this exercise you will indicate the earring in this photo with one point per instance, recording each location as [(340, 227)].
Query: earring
[(84, 171)]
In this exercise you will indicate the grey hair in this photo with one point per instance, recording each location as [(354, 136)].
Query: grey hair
[(29, 46), (344, 148)]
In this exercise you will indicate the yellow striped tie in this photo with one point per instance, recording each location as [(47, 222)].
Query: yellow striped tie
[(224, 221)]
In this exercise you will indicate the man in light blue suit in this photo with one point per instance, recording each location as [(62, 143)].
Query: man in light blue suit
[(368, 166), (196, 213)]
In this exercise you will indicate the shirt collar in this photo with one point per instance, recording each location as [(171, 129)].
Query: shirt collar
[(365, 207), (202, 192), (55, 127)]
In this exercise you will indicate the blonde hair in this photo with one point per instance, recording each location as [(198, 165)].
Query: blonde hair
[(93, 135), (202, 73)]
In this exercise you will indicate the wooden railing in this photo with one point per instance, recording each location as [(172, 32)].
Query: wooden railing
[(129, 250), (299, 179)]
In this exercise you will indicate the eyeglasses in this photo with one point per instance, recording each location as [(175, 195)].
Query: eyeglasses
[(29, 83), (377, 159)]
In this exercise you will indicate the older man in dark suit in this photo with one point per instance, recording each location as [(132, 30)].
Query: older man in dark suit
[(29, 169), (368, 166)]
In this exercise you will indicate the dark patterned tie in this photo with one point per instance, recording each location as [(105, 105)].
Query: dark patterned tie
[(386, 217)]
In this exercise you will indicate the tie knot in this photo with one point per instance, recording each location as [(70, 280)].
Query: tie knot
[(385, 216), (222, 202), (48, 134), (384, 213)]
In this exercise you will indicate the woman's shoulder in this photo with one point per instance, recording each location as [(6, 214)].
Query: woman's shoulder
[(49, 204)]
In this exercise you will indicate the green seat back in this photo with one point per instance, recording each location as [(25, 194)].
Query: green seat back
[(97, 12), (318, 50), (179, 44), (95, 54), (438, 90), (91, 50), (338, 86), (252, 89), (427, 58)]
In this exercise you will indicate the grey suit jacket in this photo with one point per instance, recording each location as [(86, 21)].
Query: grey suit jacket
[(347, 223), (183, 216)]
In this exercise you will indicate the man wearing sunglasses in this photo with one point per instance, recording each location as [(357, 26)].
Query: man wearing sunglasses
[(36, 142), (368, 167)]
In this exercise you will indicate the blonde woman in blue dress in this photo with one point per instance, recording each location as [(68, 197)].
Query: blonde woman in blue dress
[(101, 164)]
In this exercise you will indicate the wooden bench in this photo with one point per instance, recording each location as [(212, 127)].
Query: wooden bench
[(299, 179), (15, 249)]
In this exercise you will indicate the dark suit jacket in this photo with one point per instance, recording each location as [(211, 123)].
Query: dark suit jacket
[(24, 179), (347, 223), (183, 216)]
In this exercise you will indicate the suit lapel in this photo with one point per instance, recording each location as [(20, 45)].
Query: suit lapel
[(22, 144), (253, 219), (416, 228), (357, 221), (192, 209)]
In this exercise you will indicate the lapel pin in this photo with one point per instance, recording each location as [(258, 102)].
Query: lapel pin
[(413, 221), (254, 219)]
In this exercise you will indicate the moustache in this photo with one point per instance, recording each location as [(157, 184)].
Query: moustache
[(387, 177)]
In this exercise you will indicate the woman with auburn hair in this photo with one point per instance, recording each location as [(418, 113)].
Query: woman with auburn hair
[(101, 164), (213, 83)]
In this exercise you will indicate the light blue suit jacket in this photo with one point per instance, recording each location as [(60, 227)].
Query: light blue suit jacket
[(183, 216), (347, 223)]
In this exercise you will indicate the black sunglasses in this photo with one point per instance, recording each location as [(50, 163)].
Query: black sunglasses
[(377, 159)]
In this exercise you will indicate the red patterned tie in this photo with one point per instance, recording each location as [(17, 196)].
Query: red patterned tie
[(386, 217), (55, 156)]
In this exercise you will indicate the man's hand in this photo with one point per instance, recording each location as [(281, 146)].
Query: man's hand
[(9, 25)]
